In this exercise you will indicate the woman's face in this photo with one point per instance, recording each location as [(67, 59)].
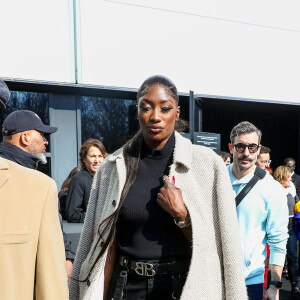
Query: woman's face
[(157, 114), (287, 182), (227, 161), (93, 159)]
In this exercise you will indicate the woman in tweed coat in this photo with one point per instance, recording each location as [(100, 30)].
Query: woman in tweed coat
[(200, 201)]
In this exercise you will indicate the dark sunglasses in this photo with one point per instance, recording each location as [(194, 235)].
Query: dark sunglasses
[(240, 147)]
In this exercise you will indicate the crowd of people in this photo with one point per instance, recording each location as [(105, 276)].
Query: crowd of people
[(285, 174), (162, 218)]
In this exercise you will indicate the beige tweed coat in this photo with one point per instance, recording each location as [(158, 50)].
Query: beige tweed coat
[(216, 266)]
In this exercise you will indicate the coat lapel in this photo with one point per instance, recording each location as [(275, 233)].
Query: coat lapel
[(182, 151), (3, 172)]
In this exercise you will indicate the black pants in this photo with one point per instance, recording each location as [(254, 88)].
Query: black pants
[(127, 285), (255, 291), (291, 247)]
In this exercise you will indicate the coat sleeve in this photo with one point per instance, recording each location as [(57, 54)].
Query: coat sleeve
[(51, 276), (74, 202), (231, 248), (297, 185), (86, 238)]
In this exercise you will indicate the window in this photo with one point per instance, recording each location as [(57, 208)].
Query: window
[(112, 121)]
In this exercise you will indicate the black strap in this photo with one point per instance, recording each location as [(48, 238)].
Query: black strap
[(121, 283), (258, 175)]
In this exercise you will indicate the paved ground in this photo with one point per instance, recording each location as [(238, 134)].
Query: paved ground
[(285, 292)]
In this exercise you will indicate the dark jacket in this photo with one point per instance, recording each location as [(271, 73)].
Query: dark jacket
[(78, 196), (62, 201), (21, 157), (296, 182)]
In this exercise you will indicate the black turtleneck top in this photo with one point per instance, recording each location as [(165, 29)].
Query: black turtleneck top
[(144, 229)]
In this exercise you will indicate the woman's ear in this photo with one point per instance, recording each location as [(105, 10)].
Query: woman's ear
[(177, 113)]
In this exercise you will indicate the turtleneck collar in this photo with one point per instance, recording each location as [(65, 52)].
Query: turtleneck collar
[(17, 155), (166, 151), (87, 172)]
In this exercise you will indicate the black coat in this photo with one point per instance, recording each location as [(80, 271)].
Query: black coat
[(21, 157), (296, 182), (62, 201), (78, 196)]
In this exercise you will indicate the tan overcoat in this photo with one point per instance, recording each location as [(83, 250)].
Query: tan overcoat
[(32, 257)]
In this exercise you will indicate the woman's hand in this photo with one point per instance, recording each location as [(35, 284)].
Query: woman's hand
[(170, 199), (69, 267)]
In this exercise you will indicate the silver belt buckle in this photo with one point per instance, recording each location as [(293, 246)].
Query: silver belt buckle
[(144, 269)]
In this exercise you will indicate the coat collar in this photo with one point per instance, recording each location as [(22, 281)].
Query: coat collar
[(116, 155), (18, 155), (3, 175), (182, 152)]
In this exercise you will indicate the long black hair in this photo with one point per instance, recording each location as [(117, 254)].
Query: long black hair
[(131, 152)]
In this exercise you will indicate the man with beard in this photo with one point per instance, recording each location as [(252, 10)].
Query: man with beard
[(262, 213), (23, 138), (24, 143), (32, 254)]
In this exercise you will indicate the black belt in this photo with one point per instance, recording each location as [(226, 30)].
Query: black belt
[(152, 268)]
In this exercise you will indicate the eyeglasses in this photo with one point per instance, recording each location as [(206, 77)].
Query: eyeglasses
[(265, 161), (240, 147)]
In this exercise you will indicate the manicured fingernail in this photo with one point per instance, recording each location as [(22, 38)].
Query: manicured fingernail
[(173, 179)]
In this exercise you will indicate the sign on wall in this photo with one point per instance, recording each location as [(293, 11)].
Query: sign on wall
[(207, 139)]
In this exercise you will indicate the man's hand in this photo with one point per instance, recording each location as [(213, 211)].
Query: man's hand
[(272, 293), (69, 267)]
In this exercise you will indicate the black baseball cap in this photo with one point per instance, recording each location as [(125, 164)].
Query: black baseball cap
[(22, 120)]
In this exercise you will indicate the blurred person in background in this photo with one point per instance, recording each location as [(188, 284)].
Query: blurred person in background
[(91, 154), (226, 157), (283, 175), (62, 195), (291, 164), (263, 159)]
